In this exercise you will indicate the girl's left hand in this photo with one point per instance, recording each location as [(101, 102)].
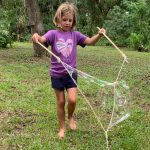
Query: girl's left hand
[(101, 31)]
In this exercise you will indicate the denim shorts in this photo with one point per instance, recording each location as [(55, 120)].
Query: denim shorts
[(64, 82)]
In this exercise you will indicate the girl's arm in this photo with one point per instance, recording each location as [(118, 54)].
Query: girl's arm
[(37, 38), (95, 38)]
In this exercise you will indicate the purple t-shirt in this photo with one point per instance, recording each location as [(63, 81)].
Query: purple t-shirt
[(63, 45)]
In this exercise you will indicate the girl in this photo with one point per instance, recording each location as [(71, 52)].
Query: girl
[(64, 41)]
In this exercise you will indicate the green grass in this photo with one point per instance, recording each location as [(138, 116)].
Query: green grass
[(28, 107)]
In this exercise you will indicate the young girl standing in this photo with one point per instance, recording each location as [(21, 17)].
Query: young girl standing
[(64, 41)]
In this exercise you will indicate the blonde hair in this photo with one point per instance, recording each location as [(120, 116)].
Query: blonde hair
[(63, 9)]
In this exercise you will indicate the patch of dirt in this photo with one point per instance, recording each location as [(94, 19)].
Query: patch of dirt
[(25, 119), (145, 106), (137, 89), (3, 116)]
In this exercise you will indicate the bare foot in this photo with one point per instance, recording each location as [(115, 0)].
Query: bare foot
[(61, 133), (72, 124)]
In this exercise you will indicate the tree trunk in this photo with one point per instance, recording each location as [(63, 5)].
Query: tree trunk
[(1, 3), (35, 22)]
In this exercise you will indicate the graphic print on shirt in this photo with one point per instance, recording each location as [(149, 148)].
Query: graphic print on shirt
[(65, 47)]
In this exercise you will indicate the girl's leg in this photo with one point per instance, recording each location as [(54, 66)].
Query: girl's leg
[(72, 94), (60, 95)]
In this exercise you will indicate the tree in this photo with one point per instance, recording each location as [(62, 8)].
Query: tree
[(94, 13), (129, 24), (35, 23)]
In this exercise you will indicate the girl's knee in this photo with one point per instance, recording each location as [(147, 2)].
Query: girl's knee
[(72, 101), (61, 103)]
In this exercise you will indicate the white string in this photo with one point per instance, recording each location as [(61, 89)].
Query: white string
[(115, 95), (102, 83), (64, 64), (83, 74)]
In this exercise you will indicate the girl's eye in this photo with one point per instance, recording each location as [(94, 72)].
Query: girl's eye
[(70, 20)]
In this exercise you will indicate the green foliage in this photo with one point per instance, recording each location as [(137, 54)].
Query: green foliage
[(135, 40), (5, 36), (15, 14), (117, 25), (129, 23), (122, 19)]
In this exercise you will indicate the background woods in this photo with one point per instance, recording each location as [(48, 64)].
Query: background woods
[(127, 21)]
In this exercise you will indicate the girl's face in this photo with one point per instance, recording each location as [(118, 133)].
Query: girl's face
[(66, 22)]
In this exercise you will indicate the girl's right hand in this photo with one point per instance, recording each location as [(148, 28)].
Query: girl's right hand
[(35, 38)]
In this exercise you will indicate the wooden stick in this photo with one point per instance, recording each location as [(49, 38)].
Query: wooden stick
[(123, 55), (58, 59)]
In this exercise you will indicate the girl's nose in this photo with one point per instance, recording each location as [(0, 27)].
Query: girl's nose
[(67, 22)]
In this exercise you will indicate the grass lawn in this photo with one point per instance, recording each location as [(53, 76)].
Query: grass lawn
[(28, 117)]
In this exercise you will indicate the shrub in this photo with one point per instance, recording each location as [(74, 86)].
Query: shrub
[(135, 40), (5, 37)]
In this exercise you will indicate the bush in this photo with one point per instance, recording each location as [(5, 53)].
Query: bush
[(135, 40), (5, 36)]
